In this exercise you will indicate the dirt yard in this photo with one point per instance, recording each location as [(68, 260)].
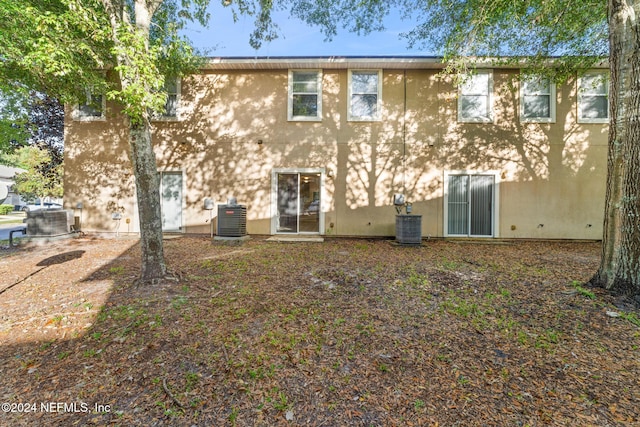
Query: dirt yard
[(340, 333)]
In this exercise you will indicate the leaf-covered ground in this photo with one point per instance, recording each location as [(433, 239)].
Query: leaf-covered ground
[(340, 333)]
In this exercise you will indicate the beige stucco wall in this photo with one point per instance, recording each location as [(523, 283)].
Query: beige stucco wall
[(551, 176)]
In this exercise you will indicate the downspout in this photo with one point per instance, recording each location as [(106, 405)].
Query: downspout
[(404, 134)]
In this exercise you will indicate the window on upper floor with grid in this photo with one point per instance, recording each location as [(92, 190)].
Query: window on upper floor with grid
[(365, 95), (593, 97), (172, 87), (305, 95), (537, 100), (475, 98), (90, 107)]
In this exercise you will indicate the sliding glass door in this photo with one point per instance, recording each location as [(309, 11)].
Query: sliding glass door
[(470, 202), (297, 201)]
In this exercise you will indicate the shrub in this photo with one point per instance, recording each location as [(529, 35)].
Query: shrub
[(5, 209)]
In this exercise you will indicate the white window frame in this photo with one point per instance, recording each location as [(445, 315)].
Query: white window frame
[(551, 93), (581, 95), (370, 118), (488, 94), (318, 93), (164, 116), (274, 196), (80, 116), (183, 198), (496, 200)]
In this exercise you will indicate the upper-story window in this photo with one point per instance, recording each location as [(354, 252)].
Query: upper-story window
[(537, 100), (305, 95), (91, 107), (475, 100), (593, 97), (172, 89), (365, 95)]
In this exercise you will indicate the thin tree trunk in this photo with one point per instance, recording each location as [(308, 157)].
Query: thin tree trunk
[(620, 264)]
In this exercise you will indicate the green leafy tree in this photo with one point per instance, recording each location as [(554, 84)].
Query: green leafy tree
[(45, 124), (30, 118), (61, 47), (42, 177), (13, 117)]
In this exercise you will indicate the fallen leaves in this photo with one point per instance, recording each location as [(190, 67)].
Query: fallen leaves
[(348, 332)]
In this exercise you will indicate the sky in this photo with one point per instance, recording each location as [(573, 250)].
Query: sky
[(226, 38)]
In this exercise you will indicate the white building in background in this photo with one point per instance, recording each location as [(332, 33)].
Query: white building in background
[(7, 196)]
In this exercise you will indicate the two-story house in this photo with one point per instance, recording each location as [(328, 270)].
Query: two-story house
[(321, 145)]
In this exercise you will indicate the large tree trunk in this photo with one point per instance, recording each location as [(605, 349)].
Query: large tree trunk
[(148, 194), (620, 265), (133, 74)]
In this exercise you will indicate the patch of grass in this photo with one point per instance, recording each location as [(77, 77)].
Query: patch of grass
[(339, 321), (233, 416), (116, 270), (192, 380), (122, 314), (417, 280), (631, 317), (582, 291), (463, 381), (46, 345), (460, 307), (178, 302), (361, 246), (547, 339), (278, 400), (443, 358)]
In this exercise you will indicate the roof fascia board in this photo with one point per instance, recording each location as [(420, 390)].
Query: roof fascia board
[(353, 62)]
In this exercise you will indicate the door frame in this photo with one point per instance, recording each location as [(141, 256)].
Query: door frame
[(183, 197), (274, 198), (495, 205)]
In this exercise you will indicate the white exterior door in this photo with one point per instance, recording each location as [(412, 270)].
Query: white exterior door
[(171, 200)]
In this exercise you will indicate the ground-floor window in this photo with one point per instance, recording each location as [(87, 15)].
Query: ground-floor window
[(470, 204)]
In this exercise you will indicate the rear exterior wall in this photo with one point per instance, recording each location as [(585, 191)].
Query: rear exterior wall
[(549, 178)]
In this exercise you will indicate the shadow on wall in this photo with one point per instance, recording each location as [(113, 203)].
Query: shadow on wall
[(224, 115), (547, 171), (98, 170)]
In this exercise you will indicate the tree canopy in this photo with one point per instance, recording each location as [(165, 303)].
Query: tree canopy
[(574, 34)]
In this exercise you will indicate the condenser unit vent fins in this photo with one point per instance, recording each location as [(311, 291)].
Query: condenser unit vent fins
[(232, 220), (409, 229)]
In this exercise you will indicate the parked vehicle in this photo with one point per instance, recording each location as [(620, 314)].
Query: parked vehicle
[(36, 206)]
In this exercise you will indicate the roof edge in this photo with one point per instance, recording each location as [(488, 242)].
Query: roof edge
[(349, 62)]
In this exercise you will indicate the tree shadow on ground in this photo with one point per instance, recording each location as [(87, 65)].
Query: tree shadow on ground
[(341, 333)]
